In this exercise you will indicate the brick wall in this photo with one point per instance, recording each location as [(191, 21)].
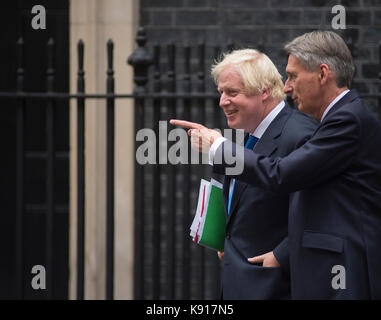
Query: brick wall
[(268, 24), (263, 24)]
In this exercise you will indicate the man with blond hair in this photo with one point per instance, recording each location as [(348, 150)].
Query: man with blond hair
[(334, 232), (252, 97)]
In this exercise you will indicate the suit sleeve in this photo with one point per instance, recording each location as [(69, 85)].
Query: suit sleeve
[(328, 153), (281, 253)]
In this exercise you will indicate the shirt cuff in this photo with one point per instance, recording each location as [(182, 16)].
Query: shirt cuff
[(214, 148)]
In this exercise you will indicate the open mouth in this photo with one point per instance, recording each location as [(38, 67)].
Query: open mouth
[(229, 113)]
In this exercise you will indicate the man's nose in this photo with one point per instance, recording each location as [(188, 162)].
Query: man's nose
[(287, 87), (224, 101)]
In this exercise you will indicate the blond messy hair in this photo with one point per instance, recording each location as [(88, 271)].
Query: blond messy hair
[(256, 70)]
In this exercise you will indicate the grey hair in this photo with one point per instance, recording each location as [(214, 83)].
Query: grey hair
[(318, 47)]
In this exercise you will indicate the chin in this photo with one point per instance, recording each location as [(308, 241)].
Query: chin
[(302, 108), (305, 110), (231, 124)]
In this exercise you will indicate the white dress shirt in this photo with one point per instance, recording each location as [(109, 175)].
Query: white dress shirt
[(333, 103), (258, 132)]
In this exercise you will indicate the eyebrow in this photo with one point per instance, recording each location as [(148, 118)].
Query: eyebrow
[(228, 88)]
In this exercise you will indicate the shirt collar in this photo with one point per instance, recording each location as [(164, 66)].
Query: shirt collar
[(333, 103), (260, 130)]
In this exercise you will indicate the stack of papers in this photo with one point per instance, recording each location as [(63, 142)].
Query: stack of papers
[(209, 224)]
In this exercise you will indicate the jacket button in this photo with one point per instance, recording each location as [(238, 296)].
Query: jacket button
[(228, 236)]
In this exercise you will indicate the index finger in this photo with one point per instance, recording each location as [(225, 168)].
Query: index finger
[(186, 124), (256, 259)]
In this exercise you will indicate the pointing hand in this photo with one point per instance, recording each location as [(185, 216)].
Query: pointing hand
[(201, 137)]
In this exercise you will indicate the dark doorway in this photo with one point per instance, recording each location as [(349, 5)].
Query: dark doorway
[(24, 239)]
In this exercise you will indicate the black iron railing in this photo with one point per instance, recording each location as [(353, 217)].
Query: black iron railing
[(167, 265)]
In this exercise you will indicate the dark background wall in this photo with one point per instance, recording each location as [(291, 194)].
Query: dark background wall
[(263, 24), (15, 274), (268, 25)]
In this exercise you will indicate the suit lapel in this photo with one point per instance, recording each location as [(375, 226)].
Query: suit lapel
[(266, 145), (350, 96)]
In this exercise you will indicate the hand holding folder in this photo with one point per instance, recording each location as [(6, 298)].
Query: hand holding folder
[(209, 223)]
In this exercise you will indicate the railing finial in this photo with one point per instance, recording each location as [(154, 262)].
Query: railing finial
[(140, 60)]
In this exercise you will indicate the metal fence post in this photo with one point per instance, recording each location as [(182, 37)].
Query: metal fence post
[(20, 172), (379, 77), (201, 103), (171, 178), (80, 174), (110, 174), (157, 87), (186, 171), (140, 60), (50, 158)]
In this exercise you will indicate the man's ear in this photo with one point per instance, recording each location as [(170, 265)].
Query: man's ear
[(265, 94), (324, 73)]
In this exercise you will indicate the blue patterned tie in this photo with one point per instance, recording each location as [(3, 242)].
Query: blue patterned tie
[(249, 145)]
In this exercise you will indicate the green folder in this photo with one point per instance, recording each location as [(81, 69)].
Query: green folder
[(209, 224)]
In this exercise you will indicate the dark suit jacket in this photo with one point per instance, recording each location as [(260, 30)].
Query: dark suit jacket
[(257, 222), (335, 213)]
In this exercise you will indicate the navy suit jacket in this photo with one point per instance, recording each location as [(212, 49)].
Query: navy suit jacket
[(257, 222), (335, 211)]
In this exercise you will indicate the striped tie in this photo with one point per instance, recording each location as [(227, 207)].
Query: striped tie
[(250, 145)]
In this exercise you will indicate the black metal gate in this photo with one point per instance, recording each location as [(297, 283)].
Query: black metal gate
[(167, 264), (172, 82)]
